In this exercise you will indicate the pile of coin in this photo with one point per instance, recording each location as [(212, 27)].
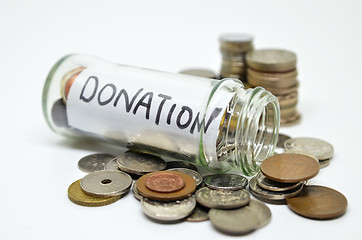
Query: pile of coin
[(275, 70), (283, 176), (231, 209), (233, 48)]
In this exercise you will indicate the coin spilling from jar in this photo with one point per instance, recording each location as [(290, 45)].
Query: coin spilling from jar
[(174, 191)]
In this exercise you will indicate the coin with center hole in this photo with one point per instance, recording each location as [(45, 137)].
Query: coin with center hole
[(241, 220), (168, 211), (271, 185), (94, 162), (267, 195), (77, 196), (222, 199), (226, 181), (106, 183), (318, 202), (195, 175), (140, 163), (164, 182), (317, 147), (289, 167), (186, 191)]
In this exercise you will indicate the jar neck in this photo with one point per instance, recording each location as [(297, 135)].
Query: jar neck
[(249, 131)]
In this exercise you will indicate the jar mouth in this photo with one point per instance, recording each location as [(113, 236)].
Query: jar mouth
[(250, 134)]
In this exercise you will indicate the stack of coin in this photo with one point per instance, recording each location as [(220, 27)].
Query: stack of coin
[(233, 48), (283, 176), (99, 188), (166, 195), (275, 70), (231, 209)]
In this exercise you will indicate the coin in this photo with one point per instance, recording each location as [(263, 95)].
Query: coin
[(77, 196), (236, 42), (281, 91), (140, 163), (190, 186), (271, 60), (164, 182), (317, 147), (241, 220), (290, 121), (168, 211), (199, 214), (195, 175), (324, 163), (288, 100), (289, 167), (269, 196), (112, 165), (222, 199), (59, 114), (318, 202), (181, 164), (67, 82), (94, 162), (281, 139), (106, 183), (226, 181), (135, 192), (271, 185), (199, 72)]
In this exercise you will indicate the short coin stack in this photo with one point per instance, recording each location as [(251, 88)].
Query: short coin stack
[(233, 48), (275, 70), (232, 211), (282, 176)]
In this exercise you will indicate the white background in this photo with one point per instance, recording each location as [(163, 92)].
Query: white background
[(37, 166)]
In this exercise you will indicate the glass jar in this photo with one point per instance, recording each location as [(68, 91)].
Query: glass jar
[(214, 123)]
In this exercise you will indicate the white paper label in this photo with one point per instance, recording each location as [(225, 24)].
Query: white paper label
[(133, 105)]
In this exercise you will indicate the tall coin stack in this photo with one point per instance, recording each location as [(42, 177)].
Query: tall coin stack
[(233, 48), (275, 70)]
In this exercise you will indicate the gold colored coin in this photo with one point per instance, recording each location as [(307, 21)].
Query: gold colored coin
[(77, 196)]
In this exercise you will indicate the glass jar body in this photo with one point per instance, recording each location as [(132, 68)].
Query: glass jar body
[(217, 124)]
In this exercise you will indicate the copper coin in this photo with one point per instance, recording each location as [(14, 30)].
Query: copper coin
[(318, 202), (164, 182), (289, 167), (187, 190)]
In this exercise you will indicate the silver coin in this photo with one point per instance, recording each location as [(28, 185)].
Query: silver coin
[(241, 220), (222, 199), (199, 214), (135, 192), (271, 185), (267, 195), (236, 37), (226, 181), (199, 72), (112, 165), (181, 164), (324, 163), (195, 175), (168, 211), (140, 163), (94, 162), (281, 140), (106, 183), (322, 150)]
